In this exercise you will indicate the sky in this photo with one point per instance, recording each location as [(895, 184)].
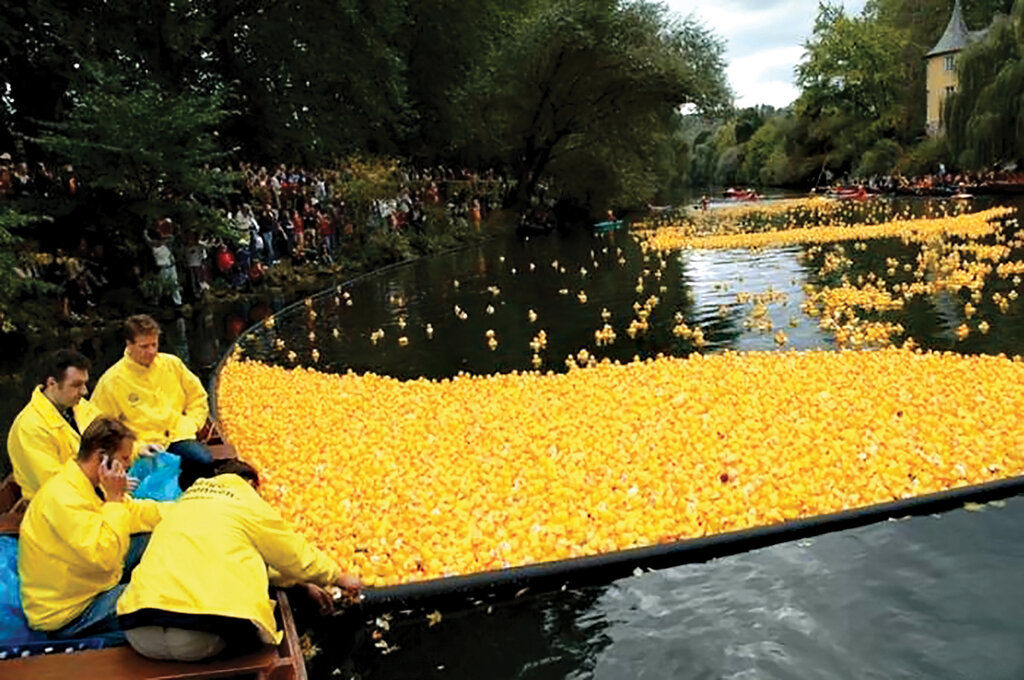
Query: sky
[(763, 42)]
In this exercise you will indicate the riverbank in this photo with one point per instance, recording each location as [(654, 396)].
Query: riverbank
[(38, 321)]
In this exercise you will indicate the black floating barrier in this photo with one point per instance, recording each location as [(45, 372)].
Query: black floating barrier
[(547, 576)]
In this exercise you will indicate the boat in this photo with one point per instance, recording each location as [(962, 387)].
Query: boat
[(1000, 187), (742, 194), (850, 193), (83, 660), (536, 221), (608, 225), (935, 191)]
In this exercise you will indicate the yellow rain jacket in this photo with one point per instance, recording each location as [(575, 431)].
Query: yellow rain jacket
[(161, 403), (211, 552), (41, 441), (72, 545)]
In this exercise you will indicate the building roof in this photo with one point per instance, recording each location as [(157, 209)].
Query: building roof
[(956, 37)]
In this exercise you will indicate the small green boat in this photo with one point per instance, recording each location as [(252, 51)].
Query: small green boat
[(610, 225)]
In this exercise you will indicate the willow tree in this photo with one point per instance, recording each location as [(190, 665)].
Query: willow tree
[(984, 119), (583, 92)]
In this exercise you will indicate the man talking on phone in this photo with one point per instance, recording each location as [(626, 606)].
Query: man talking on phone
[(75, 548)]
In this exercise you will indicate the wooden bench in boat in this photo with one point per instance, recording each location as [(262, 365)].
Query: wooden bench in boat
[(122, 663), (284, 662)]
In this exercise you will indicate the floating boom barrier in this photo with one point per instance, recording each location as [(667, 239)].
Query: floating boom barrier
[(594, 569)]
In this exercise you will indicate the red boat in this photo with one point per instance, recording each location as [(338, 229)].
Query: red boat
[(851, 193), (742, 194)]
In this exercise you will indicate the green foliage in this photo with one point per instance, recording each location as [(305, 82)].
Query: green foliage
[(385, 246), (363, 182), (985, 118), (314, 80), (442, 40), (584, 88), (142, 142), (880, 159), (15, 283), (672, 164), (147, 153), (862, 104), (924, 157), (849, 65), (153, 288), (760, 149)]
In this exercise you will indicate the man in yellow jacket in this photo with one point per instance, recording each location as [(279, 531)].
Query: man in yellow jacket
[(47, 432), (74, 548), (156, 396), (203, 583)]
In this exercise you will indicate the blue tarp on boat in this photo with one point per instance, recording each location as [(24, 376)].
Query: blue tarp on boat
[(16, 638)]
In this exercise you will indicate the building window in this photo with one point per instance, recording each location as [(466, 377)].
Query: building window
[(950, 62), (950, 90)]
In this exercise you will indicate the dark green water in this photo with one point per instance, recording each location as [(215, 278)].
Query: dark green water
[(932, 597)]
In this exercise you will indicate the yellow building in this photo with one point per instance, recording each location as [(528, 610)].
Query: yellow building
[(940, 66)]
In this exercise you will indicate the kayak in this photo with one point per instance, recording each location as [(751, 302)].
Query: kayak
[(857, 194), (609, 225), (742, 195)]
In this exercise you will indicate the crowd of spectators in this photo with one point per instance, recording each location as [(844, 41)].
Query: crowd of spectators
[(941, 182), (18, 179), (284, 214), (302, 216)]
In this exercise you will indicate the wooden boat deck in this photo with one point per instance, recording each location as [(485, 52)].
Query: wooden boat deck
[(123, 663)]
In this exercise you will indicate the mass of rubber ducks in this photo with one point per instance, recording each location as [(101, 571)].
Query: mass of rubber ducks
[(486, 472), (911, 229)]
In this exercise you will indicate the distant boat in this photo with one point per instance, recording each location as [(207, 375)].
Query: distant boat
[(850, 193), (742, 194), (608, 225), (534, 228), (999, 187)]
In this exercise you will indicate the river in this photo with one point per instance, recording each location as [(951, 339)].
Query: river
[(931, 597)]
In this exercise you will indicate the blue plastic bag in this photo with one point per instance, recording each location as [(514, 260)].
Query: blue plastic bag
[(158, 477), (14, 628)]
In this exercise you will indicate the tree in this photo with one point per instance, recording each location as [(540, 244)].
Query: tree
[(849, 65), (441, 42), (759, 150), (315, 79), (584, 88), (145, 153), (921, 23), (985, 117), (14, 281)]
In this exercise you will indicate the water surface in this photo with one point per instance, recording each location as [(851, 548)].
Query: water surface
[(931, 597)]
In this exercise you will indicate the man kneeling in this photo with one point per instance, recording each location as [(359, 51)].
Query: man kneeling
[(202, 587), (74, 548)]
